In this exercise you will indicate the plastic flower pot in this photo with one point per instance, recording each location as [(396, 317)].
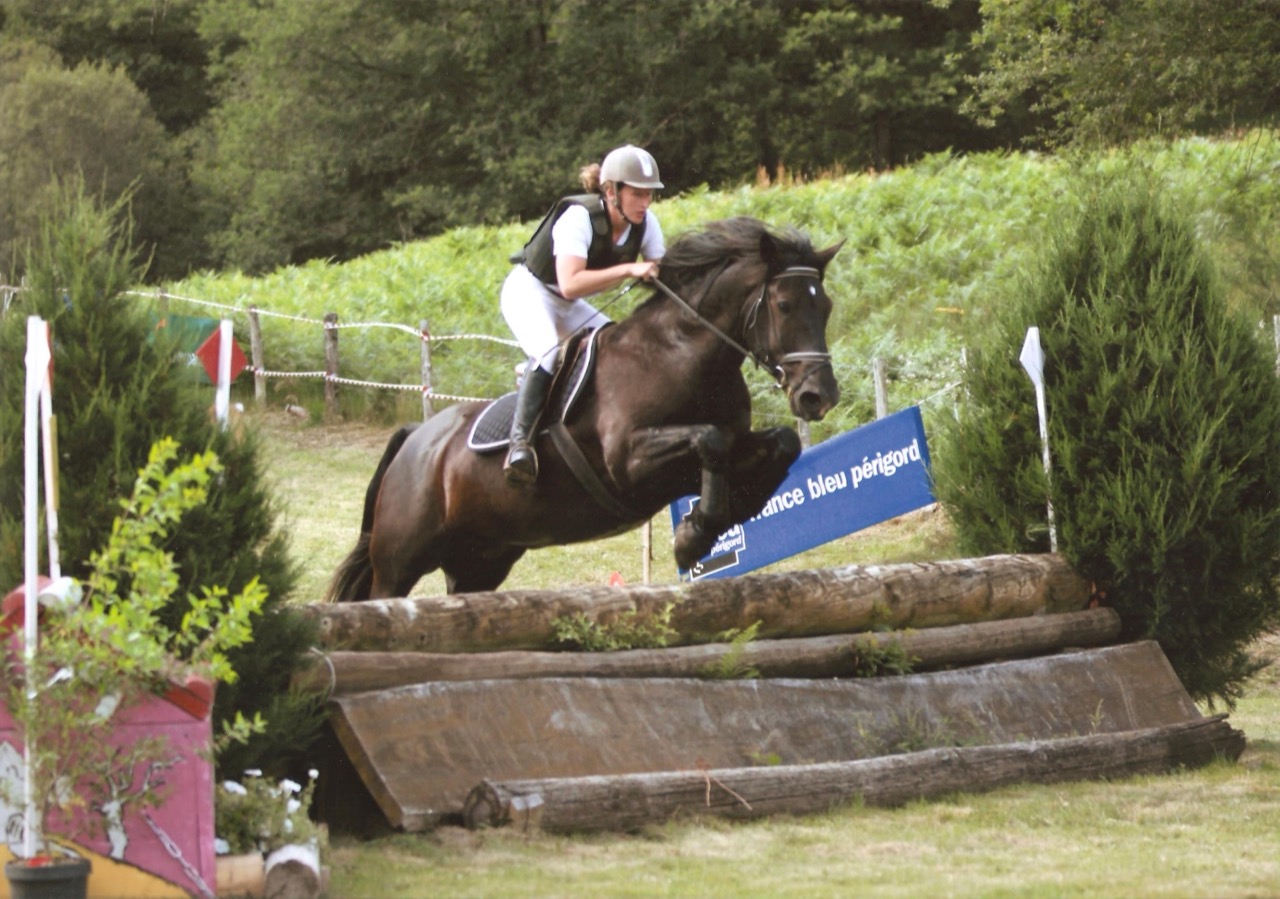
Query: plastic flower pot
[(44, 877)]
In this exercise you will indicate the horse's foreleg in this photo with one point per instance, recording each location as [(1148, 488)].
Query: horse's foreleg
[(656, 448), (760, 463)]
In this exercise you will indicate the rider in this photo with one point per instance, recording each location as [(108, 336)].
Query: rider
[(586, 244)]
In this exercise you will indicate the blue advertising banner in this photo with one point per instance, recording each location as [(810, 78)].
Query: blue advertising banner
[(863, 477)]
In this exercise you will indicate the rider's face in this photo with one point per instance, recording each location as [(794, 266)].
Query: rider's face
[(633, 202)]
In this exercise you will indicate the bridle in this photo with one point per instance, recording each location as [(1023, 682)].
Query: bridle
[(762, 360)]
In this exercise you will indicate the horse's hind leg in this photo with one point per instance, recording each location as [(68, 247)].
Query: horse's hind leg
[(471, 571)]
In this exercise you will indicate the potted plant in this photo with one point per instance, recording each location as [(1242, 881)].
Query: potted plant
[(102, 649)]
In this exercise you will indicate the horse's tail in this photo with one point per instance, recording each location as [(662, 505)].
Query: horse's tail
[(353, 579)]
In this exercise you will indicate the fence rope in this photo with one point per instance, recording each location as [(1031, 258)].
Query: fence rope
[(331, 326)]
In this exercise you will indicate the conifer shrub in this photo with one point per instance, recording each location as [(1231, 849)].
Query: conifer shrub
[(118, 387), (1164, 427)]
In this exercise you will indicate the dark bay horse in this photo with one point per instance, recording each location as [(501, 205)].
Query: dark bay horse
[(667, 414)]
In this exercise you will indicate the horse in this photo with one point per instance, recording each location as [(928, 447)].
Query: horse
[(666, 413)]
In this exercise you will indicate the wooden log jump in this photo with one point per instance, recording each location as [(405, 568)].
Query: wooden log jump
[(790, 604), (452, 708), (341, 673), (629, 801), (421, 749)]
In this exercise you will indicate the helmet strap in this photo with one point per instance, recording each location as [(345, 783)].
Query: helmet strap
[(617, 201)]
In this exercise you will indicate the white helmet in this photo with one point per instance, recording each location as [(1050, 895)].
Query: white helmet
[(631, 165)]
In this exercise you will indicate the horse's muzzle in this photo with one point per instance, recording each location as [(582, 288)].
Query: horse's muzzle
[(815, 395)]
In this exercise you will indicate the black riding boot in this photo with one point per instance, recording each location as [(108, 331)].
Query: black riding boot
[(521, 467)]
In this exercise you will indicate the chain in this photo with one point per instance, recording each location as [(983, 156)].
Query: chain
[(176, 851)]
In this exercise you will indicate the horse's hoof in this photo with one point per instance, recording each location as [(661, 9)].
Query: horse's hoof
[(521, 467), (690, 544)]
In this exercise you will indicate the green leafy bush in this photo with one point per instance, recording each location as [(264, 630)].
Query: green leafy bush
[(1164, 423)]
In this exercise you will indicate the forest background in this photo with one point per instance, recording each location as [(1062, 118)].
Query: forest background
[(254, 134)]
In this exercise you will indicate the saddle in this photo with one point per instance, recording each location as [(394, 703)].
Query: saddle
[(491, 430)]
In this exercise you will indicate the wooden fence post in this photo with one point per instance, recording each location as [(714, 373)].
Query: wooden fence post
[(428, 409), (330, 366), (256, 354), (802, 428), (878, 373), (1275, 327)]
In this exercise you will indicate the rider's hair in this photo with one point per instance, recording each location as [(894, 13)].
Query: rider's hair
[(589, 175)]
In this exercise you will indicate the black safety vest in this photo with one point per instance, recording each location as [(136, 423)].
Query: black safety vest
[(603, 253)]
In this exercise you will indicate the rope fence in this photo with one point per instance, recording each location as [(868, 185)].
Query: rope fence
[(332, 377), (331, 326)]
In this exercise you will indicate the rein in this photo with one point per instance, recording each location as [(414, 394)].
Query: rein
[(776, 370)]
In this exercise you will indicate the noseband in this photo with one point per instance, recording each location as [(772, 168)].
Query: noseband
[(761, 360)]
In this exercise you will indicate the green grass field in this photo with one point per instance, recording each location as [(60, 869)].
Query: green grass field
[(1211, 832)]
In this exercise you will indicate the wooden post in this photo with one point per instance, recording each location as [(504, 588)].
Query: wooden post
[(1275, 327), (882, 394), (256, 354), (646, 550), (331, 366), (427, 408)]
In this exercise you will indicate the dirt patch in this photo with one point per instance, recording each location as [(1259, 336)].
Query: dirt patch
[(305, 434)]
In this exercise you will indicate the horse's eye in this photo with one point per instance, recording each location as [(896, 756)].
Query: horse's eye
[(784, 306)]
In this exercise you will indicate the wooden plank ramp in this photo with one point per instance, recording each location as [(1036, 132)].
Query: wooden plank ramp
[(421, 749)]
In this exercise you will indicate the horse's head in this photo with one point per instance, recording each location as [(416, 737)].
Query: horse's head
[(787, 325)]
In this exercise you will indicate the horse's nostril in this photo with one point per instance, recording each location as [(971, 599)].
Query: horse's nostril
[(810, 404)]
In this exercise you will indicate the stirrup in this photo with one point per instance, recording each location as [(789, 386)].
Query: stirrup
[(521, 465)]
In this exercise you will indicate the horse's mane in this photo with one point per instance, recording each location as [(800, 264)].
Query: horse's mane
[(694, 252)]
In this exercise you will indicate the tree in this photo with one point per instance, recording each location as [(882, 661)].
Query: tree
[(118, 388), (89, 122), (1164, 423), (157, 45), (390, 121), (1109, 72)]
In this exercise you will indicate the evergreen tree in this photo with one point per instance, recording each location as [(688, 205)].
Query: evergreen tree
[(118, 386), (1164, 427)]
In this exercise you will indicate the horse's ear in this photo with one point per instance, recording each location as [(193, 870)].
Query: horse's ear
[(825, 256), (769, 252)]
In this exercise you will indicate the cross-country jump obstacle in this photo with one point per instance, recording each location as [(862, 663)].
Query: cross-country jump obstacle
[(464, 709)]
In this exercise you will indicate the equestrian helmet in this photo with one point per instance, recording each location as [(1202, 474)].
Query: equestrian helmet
[(631, 165)]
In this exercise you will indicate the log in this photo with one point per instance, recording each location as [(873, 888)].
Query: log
[(343, 673), (420, 749), (629, 801), (789, 604)]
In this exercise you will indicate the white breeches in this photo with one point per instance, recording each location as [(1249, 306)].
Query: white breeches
[(541, 320)]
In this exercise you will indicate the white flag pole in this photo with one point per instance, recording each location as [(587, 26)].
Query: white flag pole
[(37, 362), (49, 444), (1032, 360), (222, 399)]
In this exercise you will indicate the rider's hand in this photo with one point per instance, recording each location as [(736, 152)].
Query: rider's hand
[(644, 271)]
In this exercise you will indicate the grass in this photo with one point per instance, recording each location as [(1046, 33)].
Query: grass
[(1207, 832)]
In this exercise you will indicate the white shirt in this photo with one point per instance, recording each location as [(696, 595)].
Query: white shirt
[(571, 234)]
